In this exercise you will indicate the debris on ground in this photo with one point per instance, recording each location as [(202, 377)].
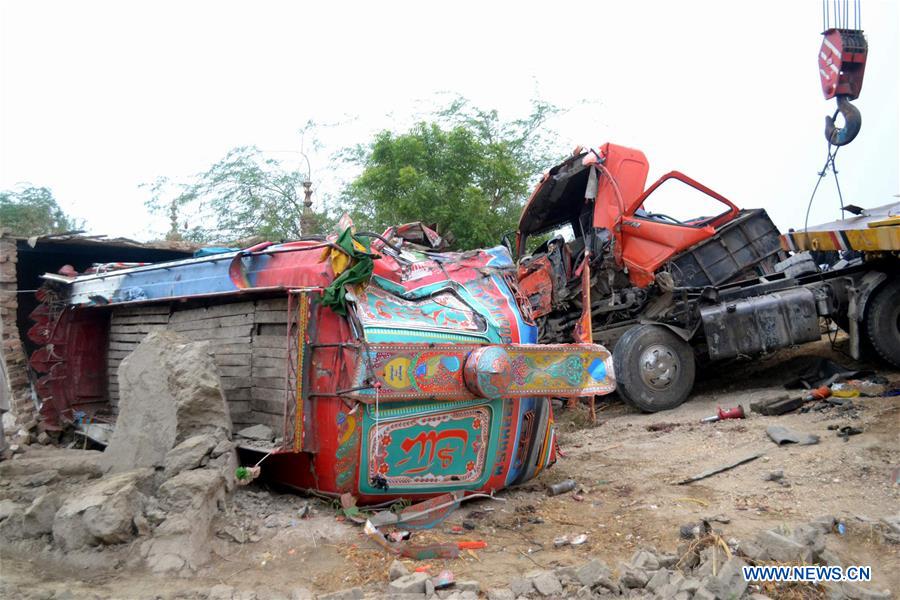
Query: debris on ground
[(720, 469), (782, 435), (163, 477)]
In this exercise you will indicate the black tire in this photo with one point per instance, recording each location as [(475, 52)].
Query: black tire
[(883, 322), (644, 380)]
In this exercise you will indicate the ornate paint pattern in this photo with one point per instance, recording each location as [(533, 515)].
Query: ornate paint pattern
[(446, 449), (443, 311), (347, 455), (435, 371)]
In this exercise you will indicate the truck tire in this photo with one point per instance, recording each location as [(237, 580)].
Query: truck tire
[(654, 368), (883, 322)]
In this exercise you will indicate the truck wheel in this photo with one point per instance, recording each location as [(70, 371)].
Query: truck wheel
[(654, 368), (883, 322)]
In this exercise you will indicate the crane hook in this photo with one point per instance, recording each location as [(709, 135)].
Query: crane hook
[(840, 136)]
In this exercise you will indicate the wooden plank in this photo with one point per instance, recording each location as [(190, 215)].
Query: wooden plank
[(236, 371), (211, 312), (141, 328), (261, 393), (232, 360), (269, 371), (271, 316), (127, 337), (211, 323), (126, 347), (233, 346), (270, 341), (241, 420), (233, 383), (264, 361), (237, 394), (273, 407), (219, 333), (238, 407), (261, 352), (118, 319), (268, 382), (150, 309), (267, 304)]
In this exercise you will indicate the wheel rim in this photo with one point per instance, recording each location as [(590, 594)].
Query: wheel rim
[(659, 366)]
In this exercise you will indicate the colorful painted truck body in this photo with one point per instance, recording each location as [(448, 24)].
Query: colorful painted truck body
[(431, 382)]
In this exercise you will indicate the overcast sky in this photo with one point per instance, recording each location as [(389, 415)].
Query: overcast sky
[(99, 97)]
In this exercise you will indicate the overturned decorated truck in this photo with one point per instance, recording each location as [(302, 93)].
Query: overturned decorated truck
[(386, 366), (675, 276)]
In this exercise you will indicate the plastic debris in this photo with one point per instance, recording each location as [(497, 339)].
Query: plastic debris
[(442, 580)]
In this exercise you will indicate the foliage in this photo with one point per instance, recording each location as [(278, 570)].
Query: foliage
[(466, 170), (34, 211), (244, 195)]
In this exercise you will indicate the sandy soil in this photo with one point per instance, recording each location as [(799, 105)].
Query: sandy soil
[(626, 465)]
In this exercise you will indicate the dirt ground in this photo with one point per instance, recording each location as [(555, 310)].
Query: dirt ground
[(625, 464)]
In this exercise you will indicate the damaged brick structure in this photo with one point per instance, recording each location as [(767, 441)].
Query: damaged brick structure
[(22, 262)]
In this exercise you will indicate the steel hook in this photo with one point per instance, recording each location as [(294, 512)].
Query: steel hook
[(840, 136)]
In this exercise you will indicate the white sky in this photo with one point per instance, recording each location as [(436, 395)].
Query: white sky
[(99, 97)]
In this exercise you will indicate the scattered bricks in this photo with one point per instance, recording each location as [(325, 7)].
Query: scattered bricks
[(667, 591), (711, 560), (566, 575), (703, 594), (642, 559), (783, 549), (666, 561), (690, 584), (730, 582), (348, 594), (591, 573), (413, 583), (500, 594), (547, 584), (825, 523), (429, 588), (468, 585), (301, 594), (397, 570), (690, 558), (681, 596), (631, 577), (521, 586), (811, 536), (753, 551), (659, 579)]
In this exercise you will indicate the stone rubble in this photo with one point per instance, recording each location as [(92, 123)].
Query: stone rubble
[(163, 478)]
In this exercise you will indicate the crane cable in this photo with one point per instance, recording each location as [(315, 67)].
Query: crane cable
[(829, 162)]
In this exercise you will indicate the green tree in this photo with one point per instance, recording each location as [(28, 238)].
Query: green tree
[(466, 170), (34, 211), (242, 196)]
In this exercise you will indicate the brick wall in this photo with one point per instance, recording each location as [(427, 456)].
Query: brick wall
[(21, 404)]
